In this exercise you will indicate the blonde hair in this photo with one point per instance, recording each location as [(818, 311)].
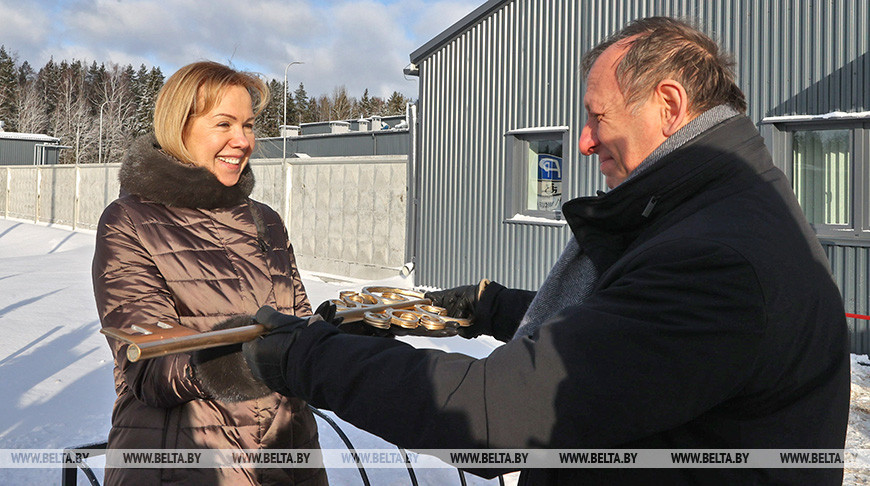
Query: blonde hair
[(193, 91)]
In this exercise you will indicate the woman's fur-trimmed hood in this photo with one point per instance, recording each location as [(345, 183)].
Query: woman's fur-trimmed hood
[(150, 173)]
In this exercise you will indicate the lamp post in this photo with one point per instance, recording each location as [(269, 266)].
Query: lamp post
[(284, 124), (100, 140)]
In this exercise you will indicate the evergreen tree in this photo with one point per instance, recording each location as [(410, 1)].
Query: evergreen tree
[(148, 98), (365, 105), (306, 109), (138, 87), (47, 81), (292, 110), (25, 73), (8, 91), (94, 82), (396, 104), (270, 118), (378, 106)]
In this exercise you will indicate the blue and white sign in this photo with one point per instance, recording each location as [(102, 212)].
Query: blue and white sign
[(549, 182), (549, 168)]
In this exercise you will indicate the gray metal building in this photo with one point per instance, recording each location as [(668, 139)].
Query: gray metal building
[(501, 92), (28, 149), (323, 140)]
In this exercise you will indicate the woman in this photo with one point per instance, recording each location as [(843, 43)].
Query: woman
[(184, 244)]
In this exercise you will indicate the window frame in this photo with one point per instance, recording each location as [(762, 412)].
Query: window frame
[(517, 178), (779, 135)]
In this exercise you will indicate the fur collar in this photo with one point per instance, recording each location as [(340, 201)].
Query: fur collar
[(152, 174)]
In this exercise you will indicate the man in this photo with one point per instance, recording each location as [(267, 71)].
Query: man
[(693, 309)]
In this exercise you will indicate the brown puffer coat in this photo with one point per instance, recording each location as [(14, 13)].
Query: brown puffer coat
[(179, 247)]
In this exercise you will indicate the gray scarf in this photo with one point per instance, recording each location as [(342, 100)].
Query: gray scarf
[(574, 275)]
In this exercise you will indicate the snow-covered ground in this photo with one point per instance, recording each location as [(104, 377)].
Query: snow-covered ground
[(56, 369)]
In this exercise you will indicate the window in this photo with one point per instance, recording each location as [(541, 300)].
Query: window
[(534, 175), (822, 175), (827, 160)]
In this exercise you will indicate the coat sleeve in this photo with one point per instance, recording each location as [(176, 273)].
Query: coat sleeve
[(129, 289), (501, 310), (656, 348)]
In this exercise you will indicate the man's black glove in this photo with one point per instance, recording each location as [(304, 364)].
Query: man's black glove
[(327, 310), (461, 302), (266, 355)]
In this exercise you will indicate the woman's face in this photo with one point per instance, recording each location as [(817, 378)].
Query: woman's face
[(222, 139)]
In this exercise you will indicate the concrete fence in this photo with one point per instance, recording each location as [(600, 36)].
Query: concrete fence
[(345, 215)]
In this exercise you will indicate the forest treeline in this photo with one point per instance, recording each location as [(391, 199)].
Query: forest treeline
[(98, 109)]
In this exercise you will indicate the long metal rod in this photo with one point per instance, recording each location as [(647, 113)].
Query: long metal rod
[(211, 339)]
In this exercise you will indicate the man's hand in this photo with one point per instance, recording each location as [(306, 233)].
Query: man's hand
[(459, 301)]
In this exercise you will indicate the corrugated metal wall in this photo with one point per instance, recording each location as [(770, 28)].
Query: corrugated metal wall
[(517, 67), (849, 265), (17, 152)]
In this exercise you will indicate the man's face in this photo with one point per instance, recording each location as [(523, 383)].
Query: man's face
[(621, 135)]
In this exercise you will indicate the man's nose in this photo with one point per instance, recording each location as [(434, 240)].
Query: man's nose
[(588, 142)]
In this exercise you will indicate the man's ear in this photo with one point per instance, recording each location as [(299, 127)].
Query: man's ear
[(674, 104)]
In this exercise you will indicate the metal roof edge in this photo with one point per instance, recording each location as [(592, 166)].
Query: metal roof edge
[(455, 29), (30, 137)]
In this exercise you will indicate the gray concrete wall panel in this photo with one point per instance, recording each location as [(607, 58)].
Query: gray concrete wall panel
[(57, 194), (347, 215)]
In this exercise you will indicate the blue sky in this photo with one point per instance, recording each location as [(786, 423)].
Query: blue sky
[(358, 44)]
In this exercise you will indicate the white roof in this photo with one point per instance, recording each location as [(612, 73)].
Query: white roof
[(36, 137)]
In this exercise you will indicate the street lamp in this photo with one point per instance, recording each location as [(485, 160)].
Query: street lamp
[(100, 140), (283, 129)]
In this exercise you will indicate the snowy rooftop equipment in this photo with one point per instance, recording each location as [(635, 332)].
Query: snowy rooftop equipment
[(325, 127)]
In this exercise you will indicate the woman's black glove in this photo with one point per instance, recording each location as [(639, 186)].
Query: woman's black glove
[(326, 311), (266, 354)]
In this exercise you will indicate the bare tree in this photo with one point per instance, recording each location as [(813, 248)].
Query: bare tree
[(342, 107), (117, 110), (32, 113), (323, 107)]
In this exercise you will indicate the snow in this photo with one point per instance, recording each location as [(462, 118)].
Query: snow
[(523, 218), (834, 115), (56, 369)]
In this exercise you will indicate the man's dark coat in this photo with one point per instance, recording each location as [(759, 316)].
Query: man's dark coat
[(715, 324)]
